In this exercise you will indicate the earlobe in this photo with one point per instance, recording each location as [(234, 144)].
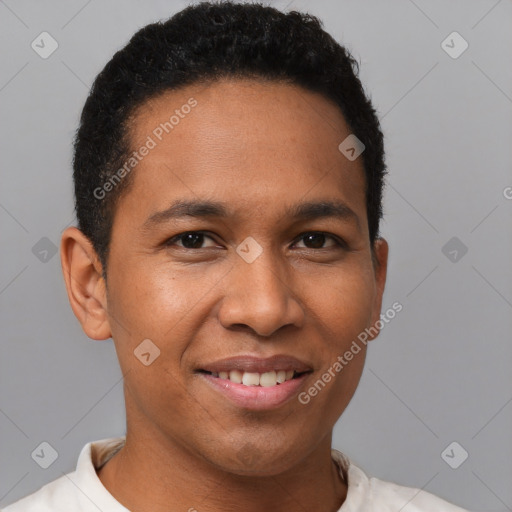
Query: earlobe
[(84, 283)]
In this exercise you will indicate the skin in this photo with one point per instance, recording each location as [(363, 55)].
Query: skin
[(257, 147)]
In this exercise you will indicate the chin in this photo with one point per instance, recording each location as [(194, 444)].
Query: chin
[(258, 459)]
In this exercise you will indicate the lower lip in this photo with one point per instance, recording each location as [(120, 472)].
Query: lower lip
[(256, 397)]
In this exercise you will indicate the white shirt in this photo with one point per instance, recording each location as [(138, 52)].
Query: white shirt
[(82, 490)]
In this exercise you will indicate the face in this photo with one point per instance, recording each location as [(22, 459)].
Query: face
[(241, 251)]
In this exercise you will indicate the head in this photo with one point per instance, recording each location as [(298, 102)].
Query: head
[(218, 217)]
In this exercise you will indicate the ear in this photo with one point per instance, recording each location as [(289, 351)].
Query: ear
[(380, 267), (85, 285)]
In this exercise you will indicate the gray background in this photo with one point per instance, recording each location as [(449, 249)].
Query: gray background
[(439, 372)]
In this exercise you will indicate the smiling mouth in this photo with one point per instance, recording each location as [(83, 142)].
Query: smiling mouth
[(266, 379)]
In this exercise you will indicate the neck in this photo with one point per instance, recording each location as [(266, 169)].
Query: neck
[(150, 473)]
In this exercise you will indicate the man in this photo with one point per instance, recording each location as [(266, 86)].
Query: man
[(228, 179)]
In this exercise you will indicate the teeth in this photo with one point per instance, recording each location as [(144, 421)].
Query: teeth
[(281, 376), (251, 379), (235, 376), (266, 379)]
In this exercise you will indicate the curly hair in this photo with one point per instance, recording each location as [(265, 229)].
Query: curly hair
[(200, 44)]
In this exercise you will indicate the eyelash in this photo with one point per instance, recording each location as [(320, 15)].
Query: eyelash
[(340, 243)]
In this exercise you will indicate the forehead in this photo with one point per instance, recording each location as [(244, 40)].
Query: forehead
[(254, 144), (253, 108)]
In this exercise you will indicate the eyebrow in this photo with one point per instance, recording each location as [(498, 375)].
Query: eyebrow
[(214, 209)]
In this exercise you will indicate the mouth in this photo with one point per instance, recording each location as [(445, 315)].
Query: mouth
[(254, 383)]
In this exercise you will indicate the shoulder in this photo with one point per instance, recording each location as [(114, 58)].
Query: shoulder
[(78, 491), (57, 496), (407, 499), (375, 495)]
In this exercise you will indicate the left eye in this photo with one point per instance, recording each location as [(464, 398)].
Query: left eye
[(317, 240), (190, 240)]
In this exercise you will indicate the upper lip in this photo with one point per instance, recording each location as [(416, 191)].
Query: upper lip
[(249, 363)]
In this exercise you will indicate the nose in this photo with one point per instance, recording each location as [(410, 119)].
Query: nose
[(260, 296)]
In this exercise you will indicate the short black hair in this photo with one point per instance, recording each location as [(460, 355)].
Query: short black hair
[(198, 45)]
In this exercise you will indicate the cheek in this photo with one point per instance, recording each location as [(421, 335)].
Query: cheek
[(340, 310), (158, 302), (342, 301), (152, 311), (342, 313), (152, 299)]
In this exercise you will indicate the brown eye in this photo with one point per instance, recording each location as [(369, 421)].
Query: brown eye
[(189, 240), (316, 240)]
